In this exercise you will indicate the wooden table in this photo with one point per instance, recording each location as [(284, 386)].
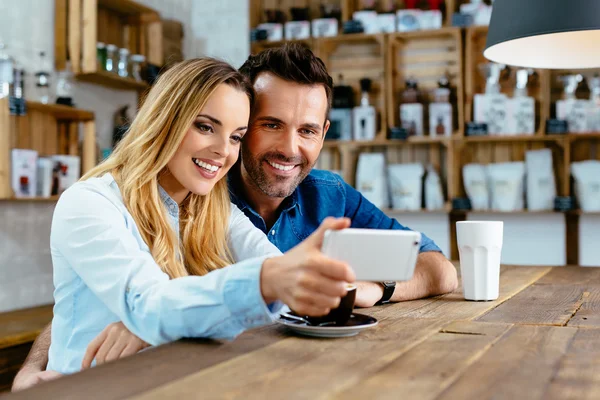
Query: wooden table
[(539, 340)]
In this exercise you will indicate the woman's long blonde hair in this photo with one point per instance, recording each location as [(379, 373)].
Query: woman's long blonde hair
[(155, 134)]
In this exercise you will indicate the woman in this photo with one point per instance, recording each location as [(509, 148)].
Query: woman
[(144, 238)]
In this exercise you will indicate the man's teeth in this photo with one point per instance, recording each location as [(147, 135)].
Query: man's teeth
[(206, 166), (281, 167)]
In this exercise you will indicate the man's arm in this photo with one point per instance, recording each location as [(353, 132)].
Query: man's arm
[(33, 370), (434, 274)]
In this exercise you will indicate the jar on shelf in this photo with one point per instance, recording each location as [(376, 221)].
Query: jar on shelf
[(123, 65), (136, 61), (65, 86), (101, 55), (111, 58)]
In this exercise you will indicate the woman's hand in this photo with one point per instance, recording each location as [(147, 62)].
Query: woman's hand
[(306, 280), (113, 343)]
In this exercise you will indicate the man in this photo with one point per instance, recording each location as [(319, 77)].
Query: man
[(275, 186)]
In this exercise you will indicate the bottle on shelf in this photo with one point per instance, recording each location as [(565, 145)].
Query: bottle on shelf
[(411, 109), (570, 108), (521, 108), (593, 118), (364, 116), (111, 58), (17, 102), (42, 80), (6, 71), (123, 65), (340, 116), (64, 86), (491, 107), (440, 110)]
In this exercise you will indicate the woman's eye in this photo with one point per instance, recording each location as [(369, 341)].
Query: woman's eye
[(204, 128), (236, 139)]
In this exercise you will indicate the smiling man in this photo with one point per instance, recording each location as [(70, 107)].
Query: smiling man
[(275, 184)]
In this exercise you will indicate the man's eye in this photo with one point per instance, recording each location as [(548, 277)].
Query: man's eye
[(307, 132), (271, 126)]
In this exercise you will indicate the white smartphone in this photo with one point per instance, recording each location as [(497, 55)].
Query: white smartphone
[(376, 255)]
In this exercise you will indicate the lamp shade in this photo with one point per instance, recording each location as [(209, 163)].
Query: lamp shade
[(554, 34)]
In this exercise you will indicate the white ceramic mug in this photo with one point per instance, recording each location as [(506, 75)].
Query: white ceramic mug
[(480, 248)]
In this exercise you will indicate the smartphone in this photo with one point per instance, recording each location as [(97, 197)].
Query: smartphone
[(375, 255)]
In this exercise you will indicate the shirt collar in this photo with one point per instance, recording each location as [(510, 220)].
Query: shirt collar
[(170, 204)]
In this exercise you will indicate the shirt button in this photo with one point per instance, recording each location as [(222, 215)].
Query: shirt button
[(273, 232)]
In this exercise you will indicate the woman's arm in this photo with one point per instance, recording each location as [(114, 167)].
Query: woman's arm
[(90, 233)]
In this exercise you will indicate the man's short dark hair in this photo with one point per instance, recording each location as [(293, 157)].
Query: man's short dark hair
[(292, 62)]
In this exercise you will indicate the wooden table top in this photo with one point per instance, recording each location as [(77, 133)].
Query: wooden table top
[(539, 340)]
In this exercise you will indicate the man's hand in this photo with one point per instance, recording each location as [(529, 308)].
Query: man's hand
[(368, 293), (113, 343), (29, 377)]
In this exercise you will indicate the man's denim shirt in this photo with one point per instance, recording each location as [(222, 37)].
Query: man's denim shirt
[(322, 194)]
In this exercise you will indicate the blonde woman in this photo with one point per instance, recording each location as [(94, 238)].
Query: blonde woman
[(150, 238)]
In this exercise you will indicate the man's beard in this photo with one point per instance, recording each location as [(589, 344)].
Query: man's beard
[(272, 186)]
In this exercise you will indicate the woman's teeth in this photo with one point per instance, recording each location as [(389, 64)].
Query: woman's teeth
[(281, 167), (206, 166)]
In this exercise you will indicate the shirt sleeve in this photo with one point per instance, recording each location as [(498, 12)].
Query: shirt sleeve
[(365, 214), (91, 233)]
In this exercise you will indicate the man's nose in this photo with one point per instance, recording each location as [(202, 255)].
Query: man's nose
[(288, 144)]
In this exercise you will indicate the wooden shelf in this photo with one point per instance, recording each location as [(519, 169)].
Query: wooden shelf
[(127, 7), (413, 140), (61, 112), (512, 138), (573, 137), (112, 80), (520, 212), (393, 211)]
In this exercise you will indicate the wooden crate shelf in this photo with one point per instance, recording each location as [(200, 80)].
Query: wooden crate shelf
[(413, 140), (426, 56), (514, 139), (113, 81), (538, 88), (354, 57), (257, 47), (49, 129), (81, 24)]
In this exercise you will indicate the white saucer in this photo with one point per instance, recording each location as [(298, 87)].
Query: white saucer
[(357, 323)]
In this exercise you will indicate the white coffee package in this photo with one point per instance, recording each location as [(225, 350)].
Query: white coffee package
[(541, 186), (274, 31), (521, 116), (434, 196), (575, 112), (476, 186), (411, 118), (587, 184), (68, 171), (406, 186), (44, 176), (24, 172), (297, 30), (492, 110), (324, 27), (371, 179), (506, 182), (387, 23), (368, 19)]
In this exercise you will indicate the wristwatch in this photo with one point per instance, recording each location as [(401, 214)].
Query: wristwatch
[(388, 291)]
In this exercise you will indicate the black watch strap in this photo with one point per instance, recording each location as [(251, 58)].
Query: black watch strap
[(388, 292)]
